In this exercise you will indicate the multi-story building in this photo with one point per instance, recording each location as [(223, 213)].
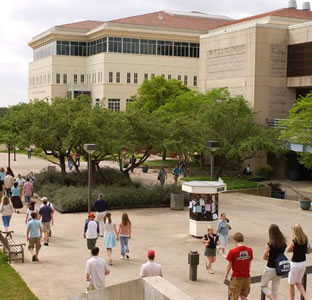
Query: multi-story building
[(109, 60)]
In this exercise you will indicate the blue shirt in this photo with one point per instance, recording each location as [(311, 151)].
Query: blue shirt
[(34, 227), (100, 205), (15, 191), (45, 212), (223, 227), (2, 175)]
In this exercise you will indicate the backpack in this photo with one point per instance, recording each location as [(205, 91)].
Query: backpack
[(282, 265)]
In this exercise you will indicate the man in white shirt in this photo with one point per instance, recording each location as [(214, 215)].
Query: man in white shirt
[(96, 270), (8, 184), (91, 231), (151, 268)]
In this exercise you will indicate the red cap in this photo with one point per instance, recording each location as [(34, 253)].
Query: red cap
[(91, 215), (151, 254)]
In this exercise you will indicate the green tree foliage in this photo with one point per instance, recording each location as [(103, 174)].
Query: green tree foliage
[(298, 129)]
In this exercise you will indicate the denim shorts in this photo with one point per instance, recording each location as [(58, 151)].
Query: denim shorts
[(27, 198), (6, 221)]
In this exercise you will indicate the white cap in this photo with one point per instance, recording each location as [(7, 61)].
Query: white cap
[(43, 198)]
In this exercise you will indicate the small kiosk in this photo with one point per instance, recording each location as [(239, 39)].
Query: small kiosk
[(204, 204)]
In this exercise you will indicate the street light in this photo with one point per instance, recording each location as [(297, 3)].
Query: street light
[(89, 148), (213, 146)]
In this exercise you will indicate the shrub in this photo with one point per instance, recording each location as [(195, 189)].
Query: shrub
[(68, 199), (265, 171)]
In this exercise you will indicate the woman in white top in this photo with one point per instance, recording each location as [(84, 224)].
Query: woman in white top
[(110, 233), (6, 209), (29, 210)]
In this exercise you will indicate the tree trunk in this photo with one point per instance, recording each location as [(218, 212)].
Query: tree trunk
[(202, 160), (220, 170), (62, 163), (164, 155)]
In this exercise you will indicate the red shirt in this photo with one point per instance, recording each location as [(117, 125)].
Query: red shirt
[(240, 257)]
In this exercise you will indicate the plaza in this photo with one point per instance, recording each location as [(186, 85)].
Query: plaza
[(61, 270)]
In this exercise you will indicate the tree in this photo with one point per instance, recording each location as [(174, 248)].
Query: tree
[(298, 129)]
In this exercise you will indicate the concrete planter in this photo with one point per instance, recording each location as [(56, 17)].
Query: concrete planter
[(305, 204), (177, 201)]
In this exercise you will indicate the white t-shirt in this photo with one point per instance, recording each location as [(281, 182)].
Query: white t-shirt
[(92, 229), (150, 269), (96, 267), (29, 211), (20, 182), (109, 228)]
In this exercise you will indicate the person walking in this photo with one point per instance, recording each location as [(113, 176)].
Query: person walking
[(29, 151), (77, 159), (124, 234), (91, 231), (52, 208), (9, 172), (151, 268), (32, 208), (8, 184), (100, 206), (6, 209), (46, 216), (176, 173), (182, 167), (20, 183), (110, 233), (15, 198), (298, 246), (96, 270), (211, 241), (276, 245), (162, 176), (28, 191), (239, 260), (223, 232), (34, 235), (2, 176)]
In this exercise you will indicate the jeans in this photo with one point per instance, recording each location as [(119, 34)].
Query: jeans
[(270, 275), (6, 221), (124, 245)]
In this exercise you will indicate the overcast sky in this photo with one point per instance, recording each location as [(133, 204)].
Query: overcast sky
[(20, 20)]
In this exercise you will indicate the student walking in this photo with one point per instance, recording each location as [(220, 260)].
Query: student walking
[(91, 231), (6, 209), (276, 245), (32, 208), (20, 183), (223, 232), (124, 234), (28, 191), (110, 233), (211, 241), (34, 235), (162, 176), (2, 175), (239, 260), (151, 268), (46, 216), (15, 198), (8, 184), (100, 206), (176, 173), (298, 246)]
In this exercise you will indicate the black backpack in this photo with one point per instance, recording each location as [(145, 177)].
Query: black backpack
[(282, 264)]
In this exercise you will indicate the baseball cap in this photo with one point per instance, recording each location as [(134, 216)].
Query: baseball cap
[(91, 215), (43, 198), (151, 254)]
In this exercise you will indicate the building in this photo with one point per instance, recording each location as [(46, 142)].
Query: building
[(109, 60)]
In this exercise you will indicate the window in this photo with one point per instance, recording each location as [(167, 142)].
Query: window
[(148, 47), (194, 50), (131, 45), (152, 75), (75, 78), (135, 78), (110, 77), (82, 78), (179, 77), (181, 49), (114, 44), (163, 76), (146, 76), (169, 76), (97, 102), (58, 78), (93, 77), (100, 77), (164, 48), (195, 81), (65, 78), (185, 79), (128, 101), (128, 77), (118, 77), (114, 104)]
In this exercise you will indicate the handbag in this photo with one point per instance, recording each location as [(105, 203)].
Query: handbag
[(309, 249)]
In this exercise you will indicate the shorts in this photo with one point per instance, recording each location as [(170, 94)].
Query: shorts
[(210, 252), (297, 270), (223, 240), (91, 243), (239, 287), (27, 198), (6, 221), (45, 226), (34, 242)]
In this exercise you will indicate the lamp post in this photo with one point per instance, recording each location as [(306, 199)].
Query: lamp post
[(9, 155), (213, 146), (89, 148)]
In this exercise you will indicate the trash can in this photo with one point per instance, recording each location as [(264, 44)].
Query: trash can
[(193, 261)]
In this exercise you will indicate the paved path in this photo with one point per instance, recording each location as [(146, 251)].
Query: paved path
[(60, 272)]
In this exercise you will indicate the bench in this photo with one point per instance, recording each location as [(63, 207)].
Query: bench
[(10, 246)]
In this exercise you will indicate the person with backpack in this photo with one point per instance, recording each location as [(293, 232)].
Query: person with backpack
[(275, 247), (176, 173), (162, 176), (298, 246)]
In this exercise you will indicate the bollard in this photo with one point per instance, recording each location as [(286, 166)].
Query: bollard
[(193, 261)]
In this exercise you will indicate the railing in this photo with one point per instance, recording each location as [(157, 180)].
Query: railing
[(257, 279)]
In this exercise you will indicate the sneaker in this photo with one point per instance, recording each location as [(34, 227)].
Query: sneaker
[(46, 244), (122, 257), (127, 256), (34, 258)]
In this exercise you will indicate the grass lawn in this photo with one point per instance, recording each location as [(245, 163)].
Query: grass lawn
[(168, 163), (233, 183), (12, 286)]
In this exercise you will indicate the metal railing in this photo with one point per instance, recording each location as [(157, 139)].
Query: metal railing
[(257, 279)]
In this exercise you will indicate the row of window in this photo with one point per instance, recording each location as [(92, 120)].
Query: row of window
[(113, 103), (119, 45)]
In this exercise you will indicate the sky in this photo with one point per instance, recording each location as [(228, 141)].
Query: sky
[(20, 20)]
